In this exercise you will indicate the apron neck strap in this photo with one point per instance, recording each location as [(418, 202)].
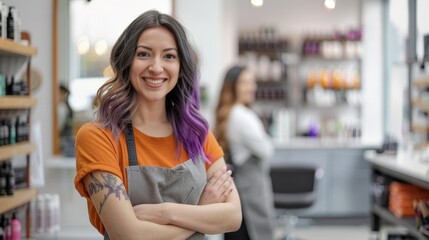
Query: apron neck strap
[(131, 146)]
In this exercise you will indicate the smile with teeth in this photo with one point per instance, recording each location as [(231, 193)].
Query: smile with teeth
[(154, 81)]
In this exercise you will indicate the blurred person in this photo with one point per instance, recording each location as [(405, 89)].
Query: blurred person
[(65, 112), (66, 123), (247, 148), (148, 166)]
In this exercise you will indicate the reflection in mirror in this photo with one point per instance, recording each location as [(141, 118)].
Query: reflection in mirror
[(84, 34)]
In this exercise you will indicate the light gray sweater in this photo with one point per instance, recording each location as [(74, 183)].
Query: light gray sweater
[(247, 136)]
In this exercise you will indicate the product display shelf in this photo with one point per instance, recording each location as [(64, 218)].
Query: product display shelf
[(395, 168), (15, 58), (17, 102), (408, 223), (421, 82), (8, 46), (10, 151), (19, 198), (420, 104), (420, 128)]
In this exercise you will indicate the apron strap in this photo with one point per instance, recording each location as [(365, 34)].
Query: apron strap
[(131, 146), (132, 155)]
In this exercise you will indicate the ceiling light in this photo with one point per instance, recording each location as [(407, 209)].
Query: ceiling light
[(257, 3), (330, 4)]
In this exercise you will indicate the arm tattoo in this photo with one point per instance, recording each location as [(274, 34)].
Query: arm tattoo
[(109, 182)]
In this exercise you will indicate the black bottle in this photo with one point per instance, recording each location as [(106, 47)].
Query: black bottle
[(10, 24), (2, 226), (2, 133), (12, 131), (10, 179), (3, 179), (9, 86)]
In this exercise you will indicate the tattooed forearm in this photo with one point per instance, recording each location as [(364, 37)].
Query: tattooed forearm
[(108, 182)]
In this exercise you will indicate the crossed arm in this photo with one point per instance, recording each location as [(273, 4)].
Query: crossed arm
[(218, 211)]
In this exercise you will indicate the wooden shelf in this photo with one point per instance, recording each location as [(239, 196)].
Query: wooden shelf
[(420, 128), (421, 105), (10, 151), (408, 223), (17, 102), (421, 82), (20, 197), (8, 46)]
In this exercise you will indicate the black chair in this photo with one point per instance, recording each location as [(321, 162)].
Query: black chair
[(294, 187)]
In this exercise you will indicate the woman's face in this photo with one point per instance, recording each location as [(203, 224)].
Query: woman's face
[(156, 65), (246, 88)]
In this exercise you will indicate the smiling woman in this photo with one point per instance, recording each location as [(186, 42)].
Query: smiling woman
[(82, 46)]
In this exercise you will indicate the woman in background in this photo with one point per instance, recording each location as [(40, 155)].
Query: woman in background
[(247, 148)]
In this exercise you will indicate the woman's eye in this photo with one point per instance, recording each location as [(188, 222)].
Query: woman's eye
[(142, 54), (171, 56)]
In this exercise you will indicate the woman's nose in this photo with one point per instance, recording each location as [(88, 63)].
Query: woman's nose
[(156, 67)]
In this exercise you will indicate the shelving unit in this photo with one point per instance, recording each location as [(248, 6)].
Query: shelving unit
[(19, 198), (17, 102), (14, 57), (408, 223), (390, 166), (10, 151)]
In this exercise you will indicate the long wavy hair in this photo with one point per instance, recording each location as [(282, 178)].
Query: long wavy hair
[(118, 100), (227, 99)]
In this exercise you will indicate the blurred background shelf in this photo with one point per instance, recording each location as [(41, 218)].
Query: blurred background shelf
[(17, 102), (22, 148), (20, 197)]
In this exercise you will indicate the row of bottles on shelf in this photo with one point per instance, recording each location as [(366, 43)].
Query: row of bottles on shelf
[(45, 212), (334, 46), (281, 124), (265, 68), (336, 78), (10, 228), (270, 93), (321, 97), (8, 86), (14, 130), (263, 39), (10, 22), (7, 179)]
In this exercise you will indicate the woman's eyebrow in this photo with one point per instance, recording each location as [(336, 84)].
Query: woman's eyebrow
[(149, 48)]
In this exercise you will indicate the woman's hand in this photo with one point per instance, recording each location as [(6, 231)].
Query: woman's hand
[(218, 188), (152, 213)]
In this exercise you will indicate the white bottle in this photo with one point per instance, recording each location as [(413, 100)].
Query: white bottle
[(40, 214), (57, 213), (17, 25), (4, 11), (49, 226)]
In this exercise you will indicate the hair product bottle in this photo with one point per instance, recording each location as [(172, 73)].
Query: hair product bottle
[(15, 228), (10, 179), (3, 179), (10, 24)]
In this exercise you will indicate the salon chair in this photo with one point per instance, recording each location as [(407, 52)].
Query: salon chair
[(294, 188)]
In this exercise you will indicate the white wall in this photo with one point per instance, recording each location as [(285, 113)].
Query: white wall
[(372, 73), (211, 26), (295, 17)]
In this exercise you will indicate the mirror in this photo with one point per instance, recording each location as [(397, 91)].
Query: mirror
[(84, 32)]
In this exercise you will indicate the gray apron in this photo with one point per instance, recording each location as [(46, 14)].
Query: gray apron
[(255, 189), (146, 184)]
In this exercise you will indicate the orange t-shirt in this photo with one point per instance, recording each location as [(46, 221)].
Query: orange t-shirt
[(97, 150)]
